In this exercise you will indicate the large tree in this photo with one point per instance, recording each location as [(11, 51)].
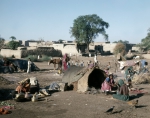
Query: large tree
[(86, 28), (13, 44), (145, 42), (121, 41), (13, 38), (2, 40)]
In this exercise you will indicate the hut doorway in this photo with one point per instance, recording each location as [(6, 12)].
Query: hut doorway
[(96, 78)]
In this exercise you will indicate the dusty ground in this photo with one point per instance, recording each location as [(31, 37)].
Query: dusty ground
[(71, 104)]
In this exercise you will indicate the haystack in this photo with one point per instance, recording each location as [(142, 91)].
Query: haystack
[(82, 78), (142, 78)]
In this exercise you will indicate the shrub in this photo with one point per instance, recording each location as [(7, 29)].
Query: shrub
[(119, 48), (45, 58), (1, 56), (33, 58)]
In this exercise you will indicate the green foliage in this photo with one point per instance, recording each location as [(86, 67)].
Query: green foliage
[(13, 45), (13, 38), (86, 28), (1, 56), (45, 58), (119, 48), (33, 58), (121, 41), (145, 42), (2, 40)]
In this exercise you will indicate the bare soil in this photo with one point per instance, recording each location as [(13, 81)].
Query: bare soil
[(70, 104)]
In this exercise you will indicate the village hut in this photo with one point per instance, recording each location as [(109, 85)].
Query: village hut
[(82, 78)]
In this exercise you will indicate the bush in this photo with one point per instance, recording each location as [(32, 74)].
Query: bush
[(33, 58), (45, 58), (1, 56)]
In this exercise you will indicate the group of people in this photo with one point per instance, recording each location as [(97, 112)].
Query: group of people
[(122, 88)]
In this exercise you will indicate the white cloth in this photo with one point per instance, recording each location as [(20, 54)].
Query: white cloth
[(89, 54), (95, 59), (29, 67)]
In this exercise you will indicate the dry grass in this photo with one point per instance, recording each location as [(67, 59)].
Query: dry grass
[(142, 78)]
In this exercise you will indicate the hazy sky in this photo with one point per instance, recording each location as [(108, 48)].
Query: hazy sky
[(51, 19)]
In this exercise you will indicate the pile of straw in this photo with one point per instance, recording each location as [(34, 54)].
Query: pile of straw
[(142, 78)]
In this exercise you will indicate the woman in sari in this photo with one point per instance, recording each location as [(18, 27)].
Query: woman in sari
[(108, 83), (65, 61), (123, 93)]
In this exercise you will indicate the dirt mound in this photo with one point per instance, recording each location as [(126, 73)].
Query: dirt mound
[(4, 81), (142, 78)]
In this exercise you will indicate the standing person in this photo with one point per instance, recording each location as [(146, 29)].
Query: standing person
[(89, 54), (116, 67), (29, 65), (95, 59), (68, 64), (109, 66), (70, 54), (64, 61)]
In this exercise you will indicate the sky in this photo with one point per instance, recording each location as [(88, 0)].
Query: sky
[(51, 19)]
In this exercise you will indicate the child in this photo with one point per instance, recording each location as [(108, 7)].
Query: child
[(129, 84), (107, 71)]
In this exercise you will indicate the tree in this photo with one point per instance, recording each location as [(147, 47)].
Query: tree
[(13, 38), (2, 40), (119, 48), (145, 42), (60, 41), (13, 44), (121, 41), (86, 28)]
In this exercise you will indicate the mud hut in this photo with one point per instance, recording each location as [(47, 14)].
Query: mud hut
[(82, 78)]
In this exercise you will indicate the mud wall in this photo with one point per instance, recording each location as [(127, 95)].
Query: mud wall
[(9, 53)]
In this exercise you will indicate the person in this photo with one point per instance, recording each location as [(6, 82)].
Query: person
[(116, 67), (12, 67), (123, 92), (129, 73), (38, 56), (90, 65), (109, 66), (29, 65), (64, 61), (70, 54), (137, 68), (107, 71), (82, 63), (95, 59), (108, 84), (24, 86), (89, 54), (130, 86), (68, 64)]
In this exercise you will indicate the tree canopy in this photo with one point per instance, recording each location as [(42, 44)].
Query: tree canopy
[(121, 41), (13, 44), (13, 38), (86, 28), (2, 40), (145, 42)]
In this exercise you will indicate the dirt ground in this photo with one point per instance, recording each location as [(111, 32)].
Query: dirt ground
[(70, 104)]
